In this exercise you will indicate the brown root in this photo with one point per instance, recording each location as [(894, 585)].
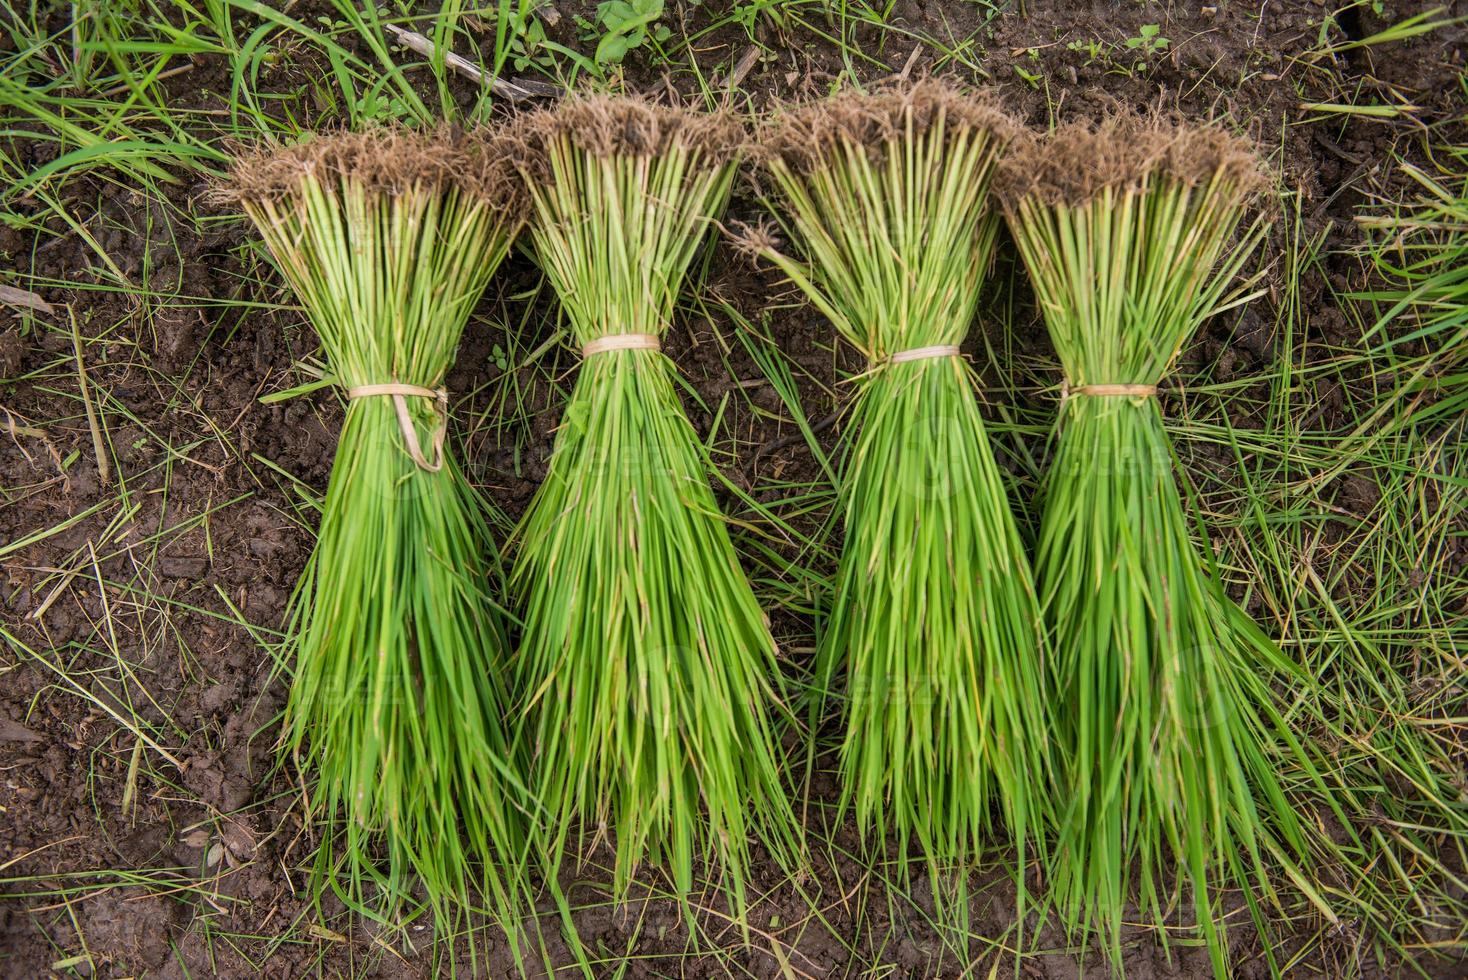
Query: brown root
[(1124, 151), (807, 134), (606, 125), (386, 160), (754, 241)]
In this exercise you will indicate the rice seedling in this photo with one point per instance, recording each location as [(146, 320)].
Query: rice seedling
[(934, 622), (649, 676), (388, 238), (1169, 736)]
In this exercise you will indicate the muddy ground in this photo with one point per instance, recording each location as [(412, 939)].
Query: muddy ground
[(147, 615)]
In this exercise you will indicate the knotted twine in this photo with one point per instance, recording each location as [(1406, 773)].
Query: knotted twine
[(400, 393)]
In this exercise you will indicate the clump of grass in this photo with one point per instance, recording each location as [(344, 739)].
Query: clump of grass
[(934, 622), (1422, 253), (1169, 736), (648, 671), (388, 238)]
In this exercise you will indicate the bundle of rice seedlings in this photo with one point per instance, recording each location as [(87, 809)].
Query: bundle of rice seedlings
[(388, 238), (934, 621), (648, 671), (1170, 739)]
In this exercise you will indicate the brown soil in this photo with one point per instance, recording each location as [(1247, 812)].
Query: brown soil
[(217, 535)]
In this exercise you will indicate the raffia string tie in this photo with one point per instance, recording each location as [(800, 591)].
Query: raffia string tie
[(400, 393), (923, 353), (622, 341), (1108, 391)]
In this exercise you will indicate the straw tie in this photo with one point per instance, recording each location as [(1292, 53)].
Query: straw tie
[(1107, 391), (923, 353), (399, 393), (622, 341)]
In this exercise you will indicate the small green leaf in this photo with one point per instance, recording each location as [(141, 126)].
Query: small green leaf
[(612, 48)]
